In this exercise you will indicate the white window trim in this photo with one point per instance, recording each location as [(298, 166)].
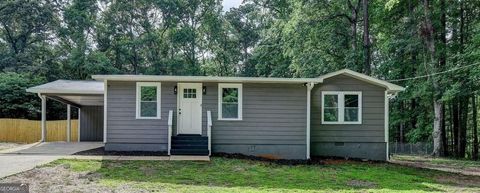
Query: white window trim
[(159, 94), (341, 107), (240, 101)]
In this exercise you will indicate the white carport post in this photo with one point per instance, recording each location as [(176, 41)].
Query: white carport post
[(79, 122), (44, 117), (69, 123)]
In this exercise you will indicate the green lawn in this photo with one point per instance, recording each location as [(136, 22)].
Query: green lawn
[(234, 175)]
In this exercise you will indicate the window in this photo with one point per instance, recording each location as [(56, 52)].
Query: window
[(342, 107), (189, 93), (148, 100), (229, 102)]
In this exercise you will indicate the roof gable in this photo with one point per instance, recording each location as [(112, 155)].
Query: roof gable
[(365, 78)]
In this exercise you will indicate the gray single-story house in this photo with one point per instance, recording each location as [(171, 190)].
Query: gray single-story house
[(343, 113)]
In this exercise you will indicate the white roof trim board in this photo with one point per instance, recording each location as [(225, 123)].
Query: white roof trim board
[(203, 79), (353, 74), (97, 87), (69, 87), (366, 78)]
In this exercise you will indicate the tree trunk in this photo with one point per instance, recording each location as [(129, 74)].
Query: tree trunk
[(437, 102), (452, 145), (444, 133), (462, 132), (437, 131), (366, 38), (474, 126), (413, 118), (442, 63), (402, 125), (456, 121), (353, 23)]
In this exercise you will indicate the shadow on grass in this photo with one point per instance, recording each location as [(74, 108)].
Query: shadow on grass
[(224, 174)]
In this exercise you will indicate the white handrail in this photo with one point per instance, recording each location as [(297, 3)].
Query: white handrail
[(170, 124), (209, 132)]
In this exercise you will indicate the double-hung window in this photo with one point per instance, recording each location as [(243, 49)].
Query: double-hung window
[(148, 100), (341, 107), (229, 101)]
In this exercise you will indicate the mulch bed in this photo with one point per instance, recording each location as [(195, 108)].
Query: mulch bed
[(317, 160), (312, 161), (274, 161), (101, 151)]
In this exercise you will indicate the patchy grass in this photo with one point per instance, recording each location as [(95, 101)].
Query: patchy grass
[(439, 161), (234, 175)]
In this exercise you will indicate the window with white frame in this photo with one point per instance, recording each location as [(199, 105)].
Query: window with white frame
[(341, 107), (148, 100), (229, 101)]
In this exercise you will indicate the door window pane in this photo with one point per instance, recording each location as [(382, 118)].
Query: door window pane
[(189, 93)]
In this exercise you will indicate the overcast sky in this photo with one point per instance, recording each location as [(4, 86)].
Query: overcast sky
[(227, 4)]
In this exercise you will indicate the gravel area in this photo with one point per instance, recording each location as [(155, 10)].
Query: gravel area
[(61, 179)]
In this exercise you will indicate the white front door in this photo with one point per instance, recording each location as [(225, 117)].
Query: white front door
[(189, 108)]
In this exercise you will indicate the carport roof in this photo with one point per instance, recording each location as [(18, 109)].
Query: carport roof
[(69, 87)]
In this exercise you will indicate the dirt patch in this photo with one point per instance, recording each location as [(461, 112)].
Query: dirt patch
[(459, 180), (471, 171), (361, 184), (4, 146), (61, 179)]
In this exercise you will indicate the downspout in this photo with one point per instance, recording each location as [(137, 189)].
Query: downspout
[(386, 125), (105, 89), (309, 99), (44, 117)]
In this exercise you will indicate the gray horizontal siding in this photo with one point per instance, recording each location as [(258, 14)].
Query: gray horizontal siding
[(123, 127), (372, 128), (273, 114), (91, 123), (364, 150)]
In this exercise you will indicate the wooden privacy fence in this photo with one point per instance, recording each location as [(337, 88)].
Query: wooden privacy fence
[(30, 131)]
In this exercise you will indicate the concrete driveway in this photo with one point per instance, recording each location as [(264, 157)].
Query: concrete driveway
[(27, 157)]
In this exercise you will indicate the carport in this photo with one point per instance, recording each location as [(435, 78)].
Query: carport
[(87, 96)]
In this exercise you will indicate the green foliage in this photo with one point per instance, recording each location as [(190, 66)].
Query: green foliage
[(15, 102)]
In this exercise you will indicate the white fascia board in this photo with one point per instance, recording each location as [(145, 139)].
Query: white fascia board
[(62, 91), (389, 86), (204, 79), (69, 87)]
